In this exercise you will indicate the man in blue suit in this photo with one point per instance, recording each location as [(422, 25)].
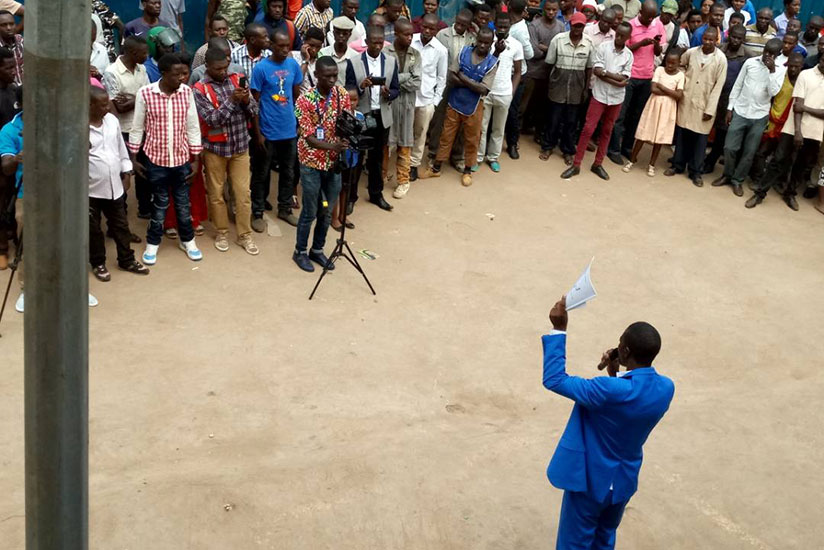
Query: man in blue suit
[(599, 455)]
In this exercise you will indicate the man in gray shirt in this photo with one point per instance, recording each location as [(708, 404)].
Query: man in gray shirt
[(541, 32)]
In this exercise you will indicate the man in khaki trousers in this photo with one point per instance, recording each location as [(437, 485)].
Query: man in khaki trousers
[(226, 108)]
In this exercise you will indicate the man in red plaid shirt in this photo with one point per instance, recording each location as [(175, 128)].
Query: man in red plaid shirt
[(166, 116), (226, 109)]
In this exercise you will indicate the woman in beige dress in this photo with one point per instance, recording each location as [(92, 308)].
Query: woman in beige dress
[(657, 124)]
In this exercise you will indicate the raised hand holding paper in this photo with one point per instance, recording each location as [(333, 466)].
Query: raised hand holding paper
[(582, 291)]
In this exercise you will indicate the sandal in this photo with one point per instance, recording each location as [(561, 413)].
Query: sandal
[(349, 225), (101, 273), (171, 233), (336, 228), (135, 267), (545, 154), (651, 171), (200, 230)]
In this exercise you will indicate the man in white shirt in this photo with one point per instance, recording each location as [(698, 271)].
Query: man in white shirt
[(434, 57), (349, 10), (748, 112), (611, 69), (110, 171), (520, 32), (339, 50), (497, 101), (123, 79)]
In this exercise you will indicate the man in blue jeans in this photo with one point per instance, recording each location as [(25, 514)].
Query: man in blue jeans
[(317, 110), (166, 116)]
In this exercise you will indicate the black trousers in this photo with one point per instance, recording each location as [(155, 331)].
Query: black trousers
[(115, 212), (513, 119), (782, 164), (285, 151), (142, 189), (561, 127), (638, 91), (690, 151), (374, 159)]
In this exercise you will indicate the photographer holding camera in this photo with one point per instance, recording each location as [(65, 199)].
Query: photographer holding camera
[(317, 111)]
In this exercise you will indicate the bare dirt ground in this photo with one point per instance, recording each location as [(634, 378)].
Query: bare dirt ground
[(227, 411)]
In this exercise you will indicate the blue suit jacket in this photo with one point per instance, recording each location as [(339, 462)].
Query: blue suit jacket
[(602, 444)]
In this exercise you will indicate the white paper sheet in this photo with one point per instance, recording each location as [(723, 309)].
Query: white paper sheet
[(582, 291)]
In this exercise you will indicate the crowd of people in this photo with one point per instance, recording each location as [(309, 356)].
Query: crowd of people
[(201, 135)]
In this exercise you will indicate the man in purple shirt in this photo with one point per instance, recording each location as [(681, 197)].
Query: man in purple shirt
[(146, 22), (649, 39)]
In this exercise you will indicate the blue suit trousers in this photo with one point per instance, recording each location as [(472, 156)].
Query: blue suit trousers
[(587, 524)]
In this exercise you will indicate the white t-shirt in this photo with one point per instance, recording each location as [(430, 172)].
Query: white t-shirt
[(729, 12), (502, 85)]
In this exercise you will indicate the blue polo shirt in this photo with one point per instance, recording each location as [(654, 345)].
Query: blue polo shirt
[(11, 144)]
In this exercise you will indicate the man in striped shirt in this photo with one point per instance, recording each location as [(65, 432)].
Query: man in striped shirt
[(166, 115), (255, 50), (316, 13)]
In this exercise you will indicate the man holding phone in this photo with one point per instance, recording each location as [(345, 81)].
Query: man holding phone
[(226, 108), (375, 75)]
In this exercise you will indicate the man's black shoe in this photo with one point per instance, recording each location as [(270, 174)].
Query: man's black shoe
[(413, 173), (810, 192), (753, 201), (791, 202), (569, 172), (303, 262), (321, 259), (381, 203), (599, 171), (616, 158), (737, 189), (513, 152)]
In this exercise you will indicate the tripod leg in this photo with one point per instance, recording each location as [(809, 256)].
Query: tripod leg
[(335, 255), (6, 297), (354, 262)]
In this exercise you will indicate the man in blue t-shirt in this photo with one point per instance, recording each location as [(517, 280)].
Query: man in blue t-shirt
[(275, 85)]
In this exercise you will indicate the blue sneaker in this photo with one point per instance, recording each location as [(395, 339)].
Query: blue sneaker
[(475, 168), (150, 254), (495, 166), (191, 250), (303, 262), (321, 259)]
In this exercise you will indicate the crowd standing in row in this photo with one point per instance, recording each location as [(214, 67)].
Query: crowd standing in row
[(200, 135)]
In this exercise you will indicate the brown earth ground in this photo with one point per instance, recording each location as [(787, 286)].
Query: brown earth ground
[(227, 411)]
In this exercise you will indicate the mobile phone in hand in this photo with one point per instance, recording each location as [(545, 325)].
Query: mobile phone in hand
[(378, 80), (243, 82)]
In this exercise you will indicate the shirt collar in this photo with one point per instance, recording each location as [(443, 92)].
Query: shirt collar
[(643, 371), (154, 87)]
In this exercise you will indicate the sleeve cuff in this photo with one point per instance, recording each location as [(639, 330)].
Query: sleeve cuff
[(553, 332)]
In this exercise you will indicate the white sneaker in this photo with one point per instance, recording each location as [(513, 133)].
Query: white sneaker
[(150, 254), (19, 305), (627, 167), (191, 250), (92, 301), (401, 190)]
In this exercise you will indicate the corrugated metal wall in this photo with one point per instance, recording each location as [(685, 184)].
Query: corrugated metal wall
[(196, 11)]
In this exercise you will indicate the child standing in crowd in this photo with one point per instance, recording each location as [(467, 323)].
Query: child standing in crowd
[(657, 123)]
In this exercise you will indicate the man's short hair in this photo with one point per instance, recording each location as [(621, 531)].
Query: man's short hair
[(616, 8), (736, 15), (643, 342), (485, 30), (168, 61), (217, 17), (325, 62), (486, 8), (97, 91), (215, 54), (774, 45), (279, 32), (374, 31), (466, 13), (503, 16), (394, 2), (218, 43), (795, 56), (316, 33), (719, 6), (273, 1), (741, 29), (517, 6), (253, 29), (625, 25), (692, 13), (792, 34), (134, 41)]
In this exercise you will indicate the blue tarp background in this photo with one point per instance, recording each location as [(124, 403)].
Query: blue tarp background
[(196, 12)]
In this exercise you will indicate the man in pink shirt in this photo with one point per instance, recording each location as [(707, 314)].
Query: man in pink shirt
[(649, 39)]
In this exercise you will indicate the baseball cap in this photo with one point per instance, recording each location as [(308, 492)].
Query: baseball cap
[(670, 7), (577, 18)]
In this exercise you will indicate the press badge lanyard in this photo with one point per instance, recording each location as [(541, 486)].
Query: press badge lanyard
[(319, 132)]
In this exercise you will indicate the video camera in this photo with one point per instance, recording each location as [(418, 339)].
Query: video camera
[(351, 128)]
